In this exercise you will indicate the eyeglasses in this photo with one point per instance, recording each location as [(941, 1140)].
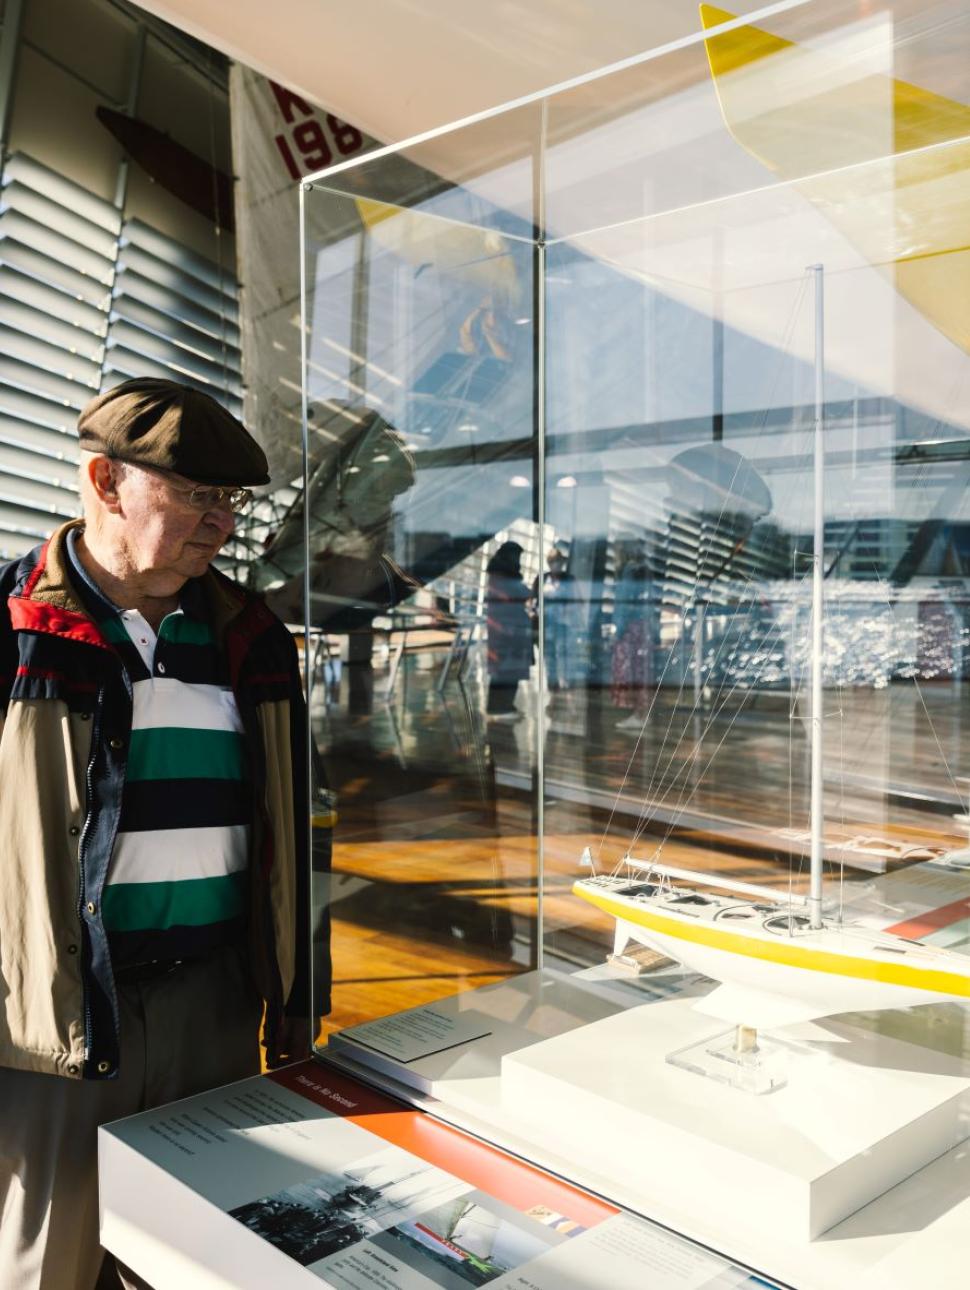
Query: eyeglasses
[(203, 497)]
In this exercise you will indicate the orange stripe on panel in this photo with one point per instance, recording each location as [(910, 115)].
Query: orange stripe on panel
[(492, 1171), (933, 920)]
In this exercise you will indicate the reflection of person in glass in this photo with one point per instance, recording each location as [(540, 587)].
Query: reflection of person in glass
[(509, 630), (563, 621), (359, 465), (633, 621)]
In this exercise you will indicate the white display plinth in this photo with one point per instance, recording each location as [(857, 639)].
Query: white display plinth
[(474, 1031), (860, 1113)]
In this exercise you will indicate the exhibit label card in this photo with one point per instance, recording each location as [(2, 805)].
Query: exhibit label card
[(408, 1036), (363, 1192)]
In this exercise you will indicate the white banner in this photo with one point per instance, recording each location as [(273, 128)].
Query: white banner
[(277, 138)]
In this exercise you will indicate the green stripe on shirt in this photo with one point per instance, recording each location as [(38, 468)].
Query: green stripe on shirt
[(133, 906), (176, 752), (113, 630), (184, 630)]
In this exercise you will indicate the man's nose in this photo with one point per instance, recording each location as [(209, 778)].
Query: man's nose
[(222, 518)]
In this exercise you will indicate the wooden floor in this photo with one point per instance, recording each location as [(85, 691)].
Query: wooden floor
[(435, 860)]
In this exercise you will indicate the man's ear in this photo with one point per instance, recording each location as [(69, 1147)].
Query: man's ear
[(104, 475)]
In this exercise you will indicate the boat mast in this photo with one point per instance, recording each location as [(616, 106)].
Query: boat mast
[(818, 576)]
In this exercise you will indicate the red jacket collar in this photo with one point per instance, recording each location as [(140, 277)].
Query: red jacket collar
[(41, 616), (48, 602)]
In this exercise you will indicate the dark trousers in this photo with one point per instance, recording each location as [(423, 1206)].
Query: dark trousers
[(501, 696), (182, 1033)]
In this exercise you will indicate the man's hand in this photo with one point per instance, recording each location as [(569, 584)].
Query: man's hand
[(292, 1042)]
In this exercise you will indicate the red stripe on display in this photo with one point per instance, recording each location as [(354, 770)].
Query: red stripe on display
[(520, 1185), (934, 920)]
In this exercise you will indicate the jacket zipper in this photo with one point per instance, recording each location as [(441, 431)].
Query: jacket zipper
[(81, 854)]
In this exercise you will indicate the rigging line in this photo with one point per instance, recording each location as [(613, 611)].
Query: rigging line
[(874, 725), (626, 774), (629, 766), (659, 756), (961, 796), (841, 805), (783, 354), (799, 698), (691, 602), (767, 645), (670, 658), (642, 819), (857, 520), (748, 581), (683, 622), (643, 815), (921, 470), (791, 710), (682, 805), (643, 726), (673, 710)]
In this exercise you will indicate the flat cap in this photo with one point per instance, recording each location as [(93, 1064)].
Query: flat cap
[(152, 422)]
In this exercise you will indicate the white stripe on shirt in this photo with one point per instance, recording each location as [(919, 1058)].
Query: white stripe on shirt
[(171, 855), (166, 701)]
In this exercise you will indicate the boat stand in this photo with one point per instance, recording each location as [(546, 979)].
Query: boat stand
[(740, 1058)]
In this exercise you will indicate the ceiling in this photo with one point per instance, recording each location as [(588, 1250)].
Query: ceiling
[(398, 67)]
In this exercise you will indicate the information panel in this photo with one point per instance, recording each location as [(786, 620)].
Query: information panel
[(362, 1192)]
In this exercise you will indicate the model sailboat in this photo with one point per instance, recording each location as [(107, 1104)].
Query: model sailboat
[(778, 958)]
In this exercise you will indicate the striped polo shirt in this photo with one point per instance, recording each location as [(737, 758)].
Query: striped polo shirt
[(176, 882)]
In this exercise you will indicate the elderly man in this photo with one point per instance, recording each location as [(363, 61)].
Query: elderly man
[(153, 903)]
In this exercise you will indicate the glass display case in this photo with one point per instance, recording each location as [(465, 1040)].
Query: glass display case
[(636, 551)]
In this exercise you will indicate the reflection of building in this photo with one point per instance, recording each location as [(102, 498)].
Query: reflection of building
[(872, 547)]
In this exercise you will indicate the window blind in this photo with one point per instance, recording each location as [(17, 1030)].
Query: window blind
[(88, 299)]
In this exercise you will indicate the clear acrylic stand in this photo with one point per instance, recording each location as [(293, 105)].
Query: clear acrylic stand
[(740, 1058)]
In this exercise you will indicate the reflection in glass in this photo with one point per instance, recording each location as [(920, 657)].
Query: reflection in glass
[(664, 218), (420, 446)]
